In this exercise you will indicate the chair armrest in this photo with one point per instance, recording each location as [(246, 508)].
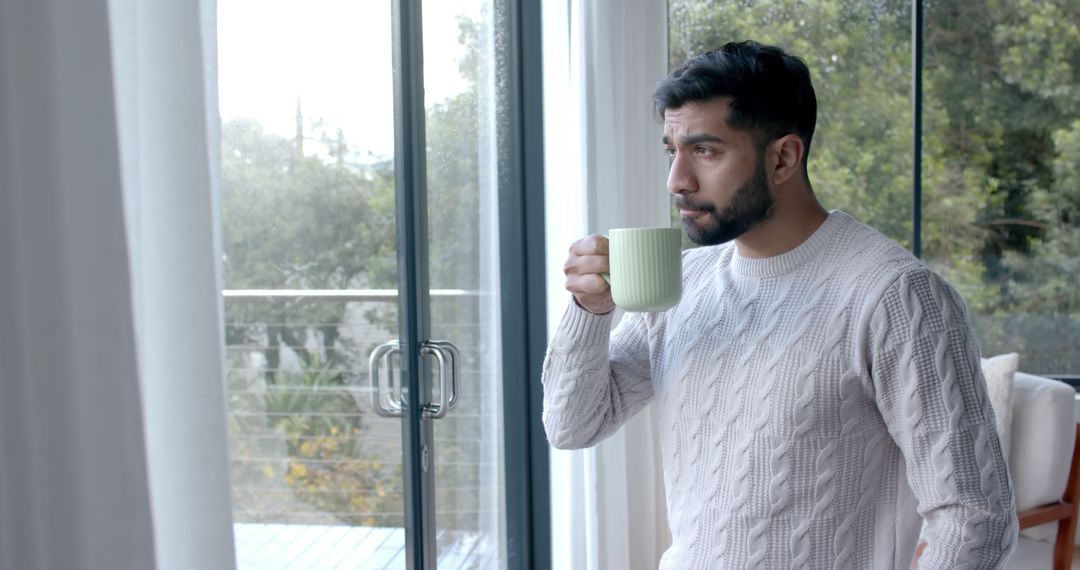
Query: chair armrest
[(1045, 514)]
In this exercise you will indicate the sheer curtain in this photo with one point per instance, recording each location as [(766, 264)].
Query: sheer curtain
[(605, 169), (112, 417)]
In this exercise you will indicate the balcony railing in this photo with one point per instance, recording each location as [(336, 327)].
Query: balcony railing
[(309, 455)]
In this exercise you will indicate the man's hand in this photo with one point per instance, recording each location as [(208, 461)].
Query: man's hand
[(588, 259)]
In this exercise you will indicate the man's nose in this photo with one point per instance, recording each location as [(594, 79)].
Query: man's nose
[(681, 178)]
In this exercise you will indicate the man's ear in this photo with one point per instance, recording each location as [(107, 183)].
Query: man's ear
[(786, 159)]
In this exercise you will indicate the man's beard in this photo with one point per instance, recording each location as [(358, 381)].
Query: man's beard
[(751, 205)]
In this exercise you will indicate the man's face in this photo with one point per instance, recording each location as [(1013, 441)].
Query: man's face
[(717, 173)]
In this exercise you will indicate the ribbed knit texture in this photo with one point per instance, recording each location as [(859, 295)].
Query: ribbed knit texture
[(811, 406)]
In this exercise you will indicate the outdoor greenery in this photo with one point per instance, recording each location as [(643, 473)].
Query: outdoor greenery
[(299, 454), (1001, 142)]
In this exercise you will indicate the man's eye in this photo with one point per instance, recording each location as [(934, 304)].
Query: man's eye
[(703, 150), (670, 152)]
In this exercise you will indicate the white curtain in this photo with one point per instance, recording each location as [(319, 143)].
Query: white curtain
[(112, 416), (605, 169)]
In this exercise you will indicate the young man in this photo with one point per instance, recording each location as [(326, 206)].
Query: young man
[(818, 388)]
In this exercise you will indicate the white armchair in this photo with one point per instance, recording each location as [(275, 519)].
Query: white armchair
[(1043, 462)]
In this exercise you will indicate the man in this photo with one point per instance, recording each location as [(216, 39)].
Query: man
[(818, 388)]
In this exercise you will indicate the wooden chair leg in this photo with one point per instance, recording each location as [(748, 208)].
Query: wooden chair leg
[(1066, 535), (1063, 546), (918, 554)]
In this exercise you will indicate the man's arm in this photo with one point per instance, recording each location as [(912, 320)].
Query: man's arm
[(929, 387), (589, 389)]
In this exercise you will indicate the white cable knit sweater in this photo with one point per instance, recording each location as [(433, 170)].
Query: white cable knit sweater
[(811, 406)]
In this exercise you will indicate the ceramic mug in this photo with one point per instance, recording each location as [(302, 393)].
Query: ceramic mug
[(646, 268)]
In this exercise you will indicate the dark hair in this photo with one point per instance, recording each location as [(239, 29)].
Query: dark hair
[(770, 90)]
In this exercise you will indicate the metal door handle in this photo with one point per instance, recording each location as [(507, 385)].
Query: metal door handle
[(449, 359), (392, 407)]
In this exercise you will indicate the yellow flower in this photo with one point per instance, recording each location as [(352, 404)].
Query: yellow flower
[(309, 447), (297, 470)]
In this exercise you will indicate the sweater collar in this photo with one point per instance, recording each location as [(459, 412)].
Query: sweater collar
[(787, 261)]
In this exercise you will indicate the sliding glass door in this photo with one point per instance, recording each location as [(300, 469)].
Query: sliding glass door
[(373, 198)]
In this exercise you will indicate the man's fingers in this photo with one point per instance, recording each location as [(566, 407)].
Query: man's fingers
[(592, 245), (586, 264), (591, 284), (588, 259)]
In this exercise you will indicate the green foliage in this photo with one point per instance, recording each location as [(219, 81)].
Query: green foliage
[(1038, 40), (453, 193), (300, 222), (313, 417), (1044, 281), (296, 221)]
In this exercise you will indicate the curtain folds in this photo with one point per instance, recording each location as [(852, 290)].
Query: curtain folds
[(112, 411), (164, 60), (605, 162)]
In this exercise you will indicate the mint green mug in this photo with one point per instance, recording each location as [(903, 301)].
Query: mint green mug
[(646, 268)]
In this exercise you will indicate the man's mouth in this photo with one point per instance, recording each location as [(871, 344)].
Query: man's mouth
[(688, 209)]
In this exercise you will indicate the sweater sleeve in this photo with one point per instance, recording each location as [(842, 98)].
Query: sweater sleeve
[(592, 383), (928, 384)]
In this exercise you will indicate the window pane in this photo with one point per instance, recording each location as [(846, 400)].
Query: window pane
[(465, 88), (1002, 171), (859, 55), (306, 95)]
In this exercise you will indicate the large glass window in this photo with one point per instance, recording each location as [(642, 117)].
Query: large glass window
[(1001, 155), (1000, 148)]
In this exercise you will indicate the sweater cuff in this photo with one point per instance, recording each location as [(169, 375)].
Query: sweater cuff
[(579, 326)]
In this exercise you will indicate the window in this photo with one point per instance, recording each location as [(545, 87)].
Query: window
[(356, 225), (1000, 154)]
